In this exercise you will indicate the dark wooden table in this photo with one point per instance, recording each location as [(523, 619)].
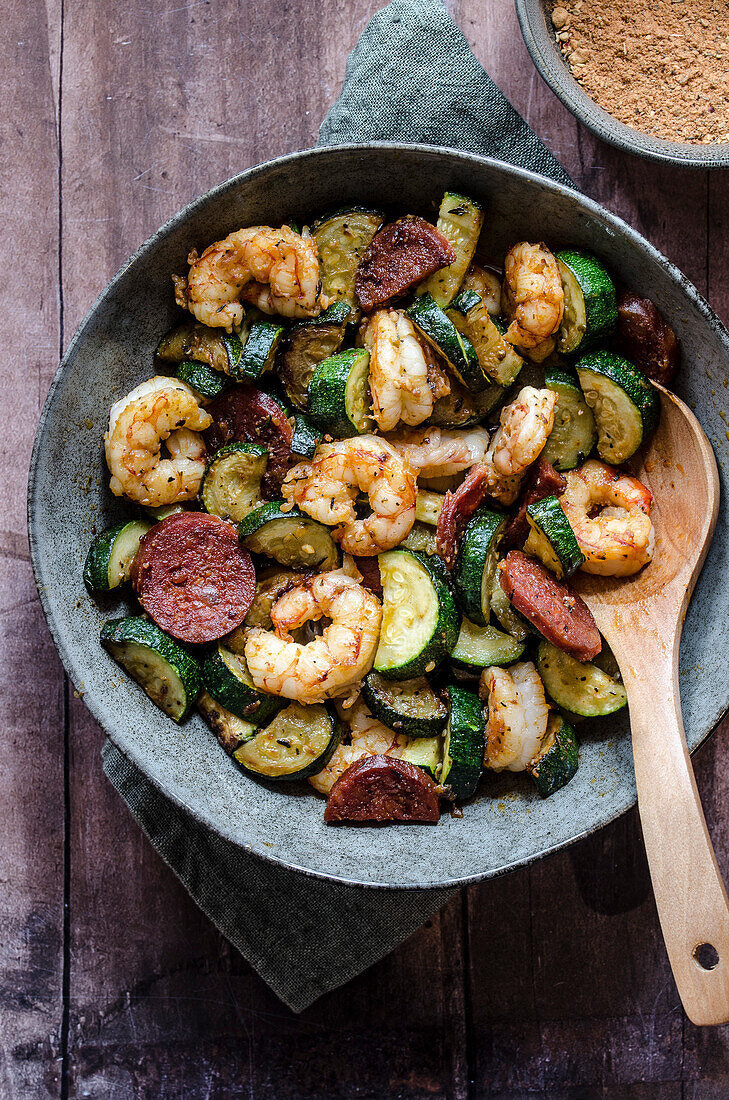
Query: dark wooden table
[(550, 982)]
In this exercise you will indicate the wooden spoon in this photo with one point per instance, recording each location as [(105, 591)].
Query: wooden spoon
[(642, 617)]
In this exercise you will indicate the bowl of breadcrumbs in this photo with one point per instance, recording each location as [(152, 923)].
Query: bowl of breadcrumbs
[(650, 76)]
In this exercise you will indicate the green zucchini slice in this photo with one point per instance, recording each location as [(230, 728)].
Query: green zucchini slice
[(421, 537), (428, 506), (420, 621), (558, 757), (483, 646), (425, 753), (590, 302), (342, 237), (306, 437), (475, 567), (205, 380), (110, 557), (407, 706), (498, 359), (226, 677), (581, 688), (465, 743), (513, 623), (164, 510), (625, 405), (230, 730), (270, 585), (339, 393), (289, 537), (551, 538), (231, 486), (460, 220), (220, 350), (298, 743), (259, 350), (306, 344), (458, 351), (463, 409), (573, 435), (167, 672)]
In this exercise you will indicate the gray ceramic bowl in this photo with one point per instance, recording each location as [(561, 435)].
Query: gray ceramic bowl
[(538, 34), (507, 825)]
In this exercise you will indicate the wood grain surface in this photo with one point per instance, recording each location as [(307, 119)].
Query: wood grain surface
[(550, 982)]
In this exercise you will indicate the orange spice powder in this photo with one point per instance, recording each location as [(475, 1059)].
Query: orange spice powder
[(660, 66)]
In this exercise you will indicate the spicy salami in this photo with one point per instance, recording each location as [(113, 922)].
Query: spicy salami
[(541, 481), (383, 788), (402, 254), (244, 414)]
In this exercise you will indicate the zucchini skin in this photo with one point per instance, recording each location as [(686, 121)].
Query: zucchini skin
[(497, 648), (379, 701), (306, 344), (578, 687), (465, 743), (625, 375), (250, 526), (476, 557), (554, 768), (202, 378), (440, 331), (329, 397), (96, 572), (599, 296), (573, 436), (212, 493), (141, 632), (314, 767), (237, 693), (551, 532)]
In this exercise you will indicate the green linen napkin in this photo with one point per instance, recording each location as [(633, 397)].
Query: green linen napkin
[(411, 77)]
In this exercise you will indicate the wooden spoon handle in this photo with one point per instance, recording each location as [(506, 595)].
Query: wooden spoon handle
[(692, 902)]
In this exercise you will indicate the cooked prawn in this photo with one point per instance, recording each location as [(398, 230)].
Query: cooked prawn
[(436, 452), (326, 489), (533, 294), (609, 513), (328, 665), (368, 737), (275, 269), (159, 410), (524, 427), (398, 371), (516, 716)]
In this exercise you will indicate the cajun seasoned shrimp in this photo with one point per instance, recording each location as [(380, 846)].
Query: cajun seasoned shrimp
[(533, 294), (524, 427), (618, 540), (398, 371), (516, 716), (159, 410), (275, 269), (328, 665), (368, 737), (326, 489), (437, 452)]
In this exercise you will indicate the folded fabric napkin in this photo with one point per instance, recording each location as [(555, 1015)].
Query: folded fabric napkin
[(411, 77)]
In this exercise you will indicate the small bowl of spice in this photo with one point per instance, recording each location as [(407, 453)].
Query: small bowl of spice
[(650, 76)]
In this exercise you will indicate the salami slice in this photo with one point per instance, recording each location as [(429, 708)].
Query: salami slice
[(402, 254), (458, 507), (193, 577), (370, 571), (647, 337), (541, 481), (244, 414), (383, 788), (557, 612)]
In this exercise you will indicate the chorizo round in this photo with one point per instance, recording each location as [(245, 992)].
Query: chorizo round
[(193, 578), (402, 254), (647, 338), (541, 481), (383, 788), (244, 414)]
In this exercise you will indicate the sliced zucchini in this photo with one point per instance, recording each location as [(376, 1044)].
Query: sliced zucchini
[(574, 435), (458, 351), (421, 537), (407, 706), (579, 687), (465, 743), (298, 743), (420, 621), (428, 506), (259, 350), (475, 567), (462, 409), (342, 237), (482, 646), (425, 753), (167, 672), (231, 485), (551, 538), (306, 437), (270, 585), (502, 607), (229, 730), (487, 285), (590, 302), (289, 537), (226, 677), (339, 393), (205, 380), (498, 359), (307, 343), (460, 220), (625, 405), (109, 560), (165, 510), (558, 757), (220, 350)]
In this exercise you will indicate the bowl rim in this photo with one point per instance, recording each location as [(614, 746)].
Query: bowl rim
[(556, 74), (66, 653)]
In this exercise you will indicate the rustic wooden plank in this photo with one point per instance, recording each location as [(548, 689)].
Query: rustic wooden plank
[(31, 681)]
